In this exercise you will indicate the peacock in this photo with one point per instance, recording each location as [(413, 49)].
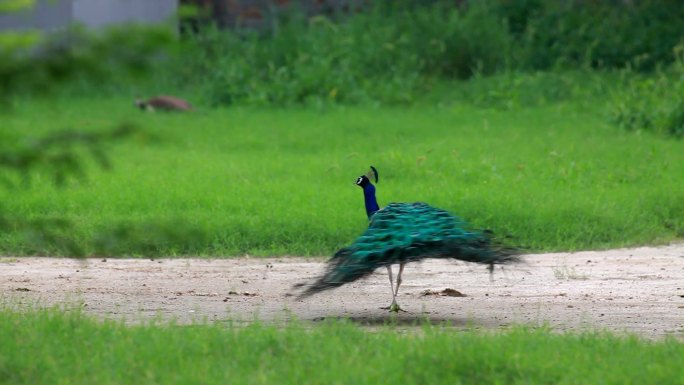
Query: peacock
[(401, 233)]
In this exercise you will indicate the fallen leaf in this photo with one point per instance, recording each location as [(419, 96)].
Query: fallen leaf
[(448, 292), (452, 293)]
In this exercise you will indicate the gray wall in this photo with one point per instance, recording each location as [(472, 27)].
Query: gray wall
[(98, 13), (49, 15), (46, 15)]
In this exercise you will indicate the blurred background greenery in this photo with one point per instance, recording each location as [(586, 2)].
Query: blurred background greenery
[(379, 53), (622, 61)]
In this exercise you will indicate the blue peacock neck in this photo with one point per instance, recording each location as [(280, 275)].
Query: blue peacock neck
[(369, 198)]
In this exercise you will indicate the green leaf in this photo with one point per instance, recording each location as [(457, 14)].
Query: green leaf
[(15, 5), (13, 41)]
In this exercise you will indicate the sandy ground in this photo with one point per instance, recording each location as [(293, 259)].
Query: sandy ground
[(634, 290)]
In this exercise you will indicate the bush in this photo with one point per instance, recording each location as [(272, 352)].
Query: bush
[(397, 51), (602, 34), (531, 89), (384, 55), (652, 103)]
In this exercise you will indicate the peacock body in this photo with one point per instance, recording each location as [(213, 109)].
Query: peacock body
[(406, 232)]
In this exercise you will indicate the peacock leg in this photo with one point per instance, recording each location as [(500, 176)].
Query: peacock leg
[(401, 270), (394, 300), (391, 279), (395, 307)]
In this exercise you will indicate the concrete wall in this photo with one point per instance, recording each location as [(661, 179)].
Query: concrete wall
[(49, 15), (99, 13), (46, 15)]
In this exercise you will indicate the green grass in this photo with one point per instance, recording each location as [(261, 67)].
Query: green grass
[(50, 346), (279, 181)]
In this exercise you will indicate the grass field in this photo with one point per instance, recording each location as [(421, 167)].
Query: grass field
[(539, 157), (554, 176), (275, 182), (51, 346)]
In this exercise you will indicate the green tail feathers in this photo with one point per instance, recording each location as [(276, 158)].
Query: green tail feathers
[(406, 232)]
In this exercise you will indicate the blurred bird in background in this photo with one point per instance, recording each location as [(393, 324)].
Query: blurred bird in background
[(163, 103)]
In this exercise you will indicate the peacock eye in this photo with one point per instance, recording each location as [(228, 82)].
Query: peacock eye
[(359, 180)]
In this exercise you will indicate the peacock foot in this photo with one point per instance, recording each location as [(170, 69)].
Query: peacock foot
[(393, 308)]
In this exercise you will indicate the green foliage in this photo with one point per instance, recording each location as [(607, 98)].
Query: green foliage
[(59, 154), (35, 64), (370, 57), (652, 103), (49, 346), (210, 189), (15, 5), (32, 64), (395, 52), (280, 182), (603, 34), (516, 90)]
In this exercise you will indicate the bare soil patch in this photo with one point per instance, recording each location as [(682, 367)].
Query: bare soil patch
[(637, 290)]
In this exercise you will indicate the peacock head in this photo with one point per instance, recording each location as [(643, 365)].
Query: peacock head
[(362, 181)]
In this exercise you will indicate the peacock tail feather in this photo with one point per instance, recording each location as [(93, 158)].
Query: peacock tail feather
[(407, 232)]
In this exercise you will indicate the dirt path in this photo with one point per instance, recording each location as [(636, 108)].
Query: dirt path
[(636, 290)]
